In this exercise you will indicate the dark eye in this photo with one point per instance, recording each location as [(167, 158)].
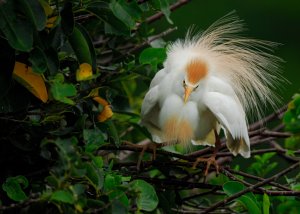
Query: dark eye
[(183, 83)]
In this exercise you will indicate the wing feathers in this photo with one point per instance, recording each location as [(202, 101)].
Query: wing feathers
[(230, 114)]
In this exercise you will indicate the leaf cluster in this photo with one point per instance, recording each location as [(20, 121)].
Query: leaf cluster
[(72, 78)]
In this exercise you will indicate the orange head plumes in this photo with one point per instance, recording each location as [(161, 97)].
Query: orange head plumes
[(196, 70)]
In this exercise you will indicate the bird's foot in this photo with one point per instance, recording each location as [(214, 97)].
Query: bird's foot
[(209, 161), (149, 145)]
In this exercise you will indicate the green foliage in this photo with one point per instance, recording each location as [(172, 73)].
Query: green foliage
[(263, 164), (70, 157), (17, 30), (290, 206), (94, 138), (164, 5), (62, 196), (291, 116), (153, 57), (38, 59), (82, 46), (13, 188), (61, 91), (266, 204), (291, 120), (63, 135), (248, 200), (128, 13), (146, 196)]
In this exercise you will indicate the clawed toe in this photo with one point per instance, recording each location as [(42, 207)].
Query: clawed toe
[(209, 161)]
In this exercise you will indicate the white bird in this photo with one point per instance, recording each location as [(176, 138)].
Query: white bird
[(210, 81)]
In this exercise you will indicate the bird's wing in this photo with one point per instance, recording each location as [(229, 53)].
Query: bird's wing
[(150, 100), (150, 113), (229, 112), (158, 77)]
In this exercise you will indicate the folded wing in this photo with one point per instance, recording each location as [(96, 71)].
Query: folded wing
[(229, 112)]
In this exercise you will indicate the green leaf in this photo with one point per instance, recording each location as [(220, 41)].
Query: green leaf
[(95, 175), (119, 199), (62, 91), (127, 13), (35, 12), (112, 24), (153, 56), (290, 206), (16, 29), (292, 143), (248, 199), (98, 161), (266, 204), (94, 139), (38, 60), (83, 46), (113, 132), (77, 189), (13, 189), (109, 182), (146, 196), (92, 203), (62, 196), (52, 61), (291, 117), (164, 7)]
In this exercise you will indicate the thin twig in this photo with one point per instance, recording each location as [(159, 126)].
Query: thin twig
[(270, 117), (261, 190), (178, 183), (160, 14), (251, 188), (145, 43), (151, 39), (257, 178), (256, 152)]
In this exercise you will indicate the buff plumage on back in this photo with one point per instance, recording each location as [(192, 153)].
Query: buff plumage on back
[(245, 63)]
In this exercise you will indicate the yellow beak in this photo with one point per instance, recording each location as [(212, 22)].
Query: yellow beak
[(187, 93)]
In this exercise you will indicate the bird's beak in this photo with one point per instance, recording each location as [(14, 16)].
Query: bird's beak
[(187, 93)]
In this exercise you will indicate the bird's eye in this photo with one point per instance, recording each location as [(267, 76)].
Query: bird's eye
[(183, 83)]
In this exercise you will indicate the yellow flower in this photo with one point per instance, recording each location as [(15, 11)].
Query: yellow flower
[(106, 112), (84, 72), (51, 21)]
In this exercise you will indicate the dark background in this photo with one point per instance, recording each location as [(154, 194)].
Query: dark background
[(273, 20)]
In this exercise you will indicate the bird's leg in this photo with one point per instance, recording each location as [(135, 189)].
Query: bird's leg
[(211, 159), (149, 145)]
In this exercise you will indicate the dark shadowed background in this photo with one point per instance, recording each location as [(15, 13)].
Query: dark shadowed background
[(277, 21)]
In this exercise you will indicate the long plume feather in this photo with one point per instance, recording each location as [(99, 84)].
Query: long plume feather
[(248, 64)]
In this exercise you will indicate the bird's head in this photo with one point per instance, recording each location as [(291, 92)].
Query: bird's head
[(196, 70)]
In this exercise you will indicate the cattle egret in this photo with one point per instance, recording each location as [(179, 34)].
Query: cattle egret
[(209, 82)]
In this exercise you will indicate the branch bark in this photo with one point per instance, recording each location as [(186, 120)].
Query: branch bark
[(251, 188)]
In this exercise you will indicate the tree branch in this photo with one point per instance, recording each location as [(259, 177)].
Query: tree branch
[(270, 117), (173, 7), (251, 188)]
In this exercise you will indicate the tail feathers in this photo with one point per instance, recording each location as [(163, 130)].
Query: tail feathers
[(238, 145), (209, 140)]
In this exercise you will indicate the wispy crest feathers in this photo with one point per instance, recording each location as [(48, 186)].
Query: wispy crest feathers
[(248, 64)]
